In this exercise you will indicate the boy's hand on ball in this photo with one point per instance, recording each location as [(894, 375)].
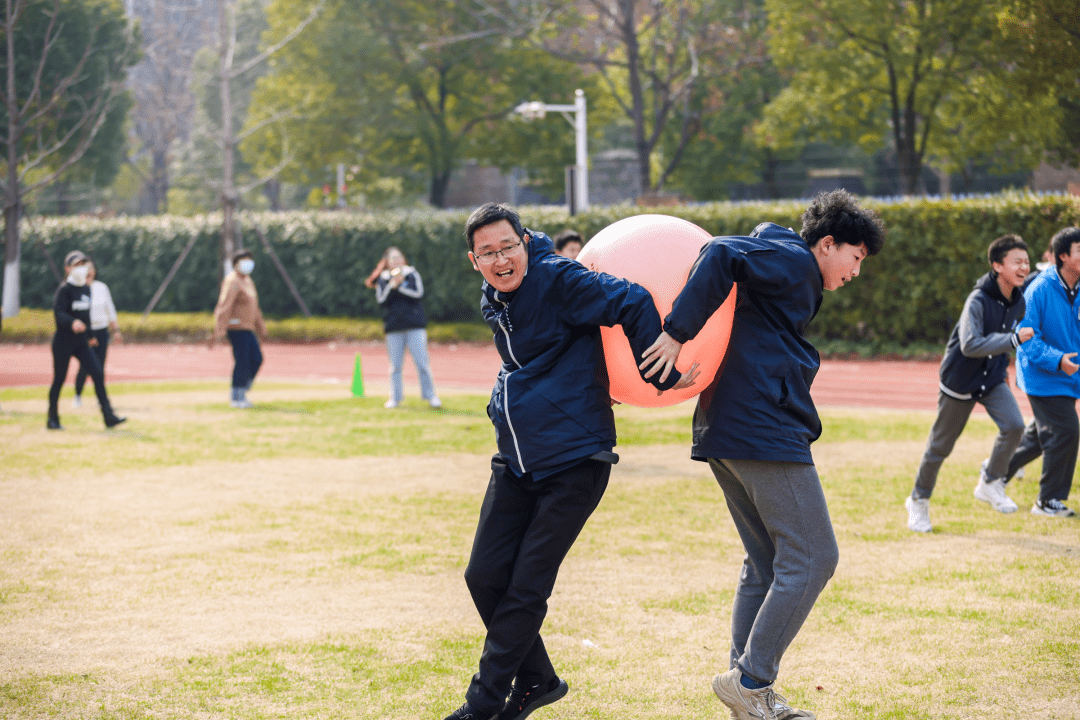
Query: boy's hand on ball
[(661, 354)]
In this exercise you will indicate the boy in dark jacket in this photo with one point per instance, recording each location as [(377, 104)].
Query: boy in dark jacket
[(975, 370), (71, 309), (555, 432), (755, 422)]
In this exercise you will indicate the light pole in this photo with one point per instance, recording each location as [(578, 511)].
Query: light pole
[(536, 110)]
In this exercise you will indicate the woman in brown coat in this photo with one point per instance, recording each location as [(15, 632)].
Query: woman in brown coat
[(238, 315)]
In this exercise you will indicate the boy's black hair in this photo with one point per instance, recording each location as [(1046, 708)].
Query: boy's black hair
[(1003, 246), (565, 237), (491, 213), (240, 255), (837, 213), (1063, 241)]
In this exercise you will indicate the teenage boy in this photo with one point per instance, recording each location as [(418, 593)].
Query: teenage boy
[(555, 431), (975, 369), (1046, 371), (71, 310), (568, 243), (755, 422)]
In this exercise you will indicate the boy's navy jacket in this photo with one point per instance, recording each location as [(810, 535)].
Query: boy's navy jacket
[(401, 306), (1056, 321), (758, 407), (977, 355), (550, 404)]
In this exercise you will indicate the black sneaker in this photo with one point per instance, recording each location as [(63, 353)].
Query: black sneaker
[(53, 424), (1051, 508), (114, 420), (525, 698), (467, 713)]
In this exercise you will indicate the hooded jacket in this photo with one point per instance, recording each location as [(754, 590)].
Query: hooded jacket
[(550, 404), (977, 354), (758, 407), (1056, 321)]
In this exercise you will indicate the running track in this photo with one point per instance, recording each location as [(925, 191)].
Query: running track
[(896, 385)]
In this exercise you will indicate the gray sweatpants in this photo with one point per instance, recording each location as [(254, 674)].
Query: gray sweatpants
[(780, 512), (952, 416)]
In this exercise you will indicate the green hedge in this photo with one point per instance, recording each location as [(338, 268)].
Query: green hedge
[(912, 292)]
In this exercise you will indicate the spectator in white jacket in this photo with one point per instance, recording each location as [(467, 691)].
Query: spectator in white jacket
[(102, 322)]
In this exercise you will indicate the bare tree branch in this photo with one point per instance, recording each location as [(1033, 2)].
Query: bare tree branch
[(252, 62)]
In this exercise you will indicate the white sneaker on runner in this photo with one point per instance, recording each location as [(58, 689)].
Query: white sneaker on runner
[(918, 514), (993, 492), (745, 704)]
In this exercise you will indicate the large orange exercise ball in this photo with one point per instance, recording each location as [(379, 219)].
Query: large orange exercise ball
[(656, 252)]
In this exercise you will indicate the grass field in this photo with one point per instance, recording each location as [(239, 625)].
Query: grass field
[(304, 560)]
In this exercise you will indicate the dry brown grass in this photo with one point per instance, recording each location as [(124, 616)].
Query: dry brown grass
[(331, 587)]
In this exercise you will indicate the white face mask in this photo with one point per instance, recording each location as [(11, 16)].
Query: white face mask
[(245, 266), (77, 276)]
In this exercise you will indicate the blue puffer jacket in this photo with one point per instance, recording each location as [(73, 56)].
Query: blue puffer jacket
[(1056, 322), (758, 407), (550, 404)]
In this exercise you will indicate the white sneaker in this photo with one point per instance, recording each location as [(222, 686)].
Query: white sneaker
[(435, 402), (390, 404), (918, 514), (993, 492), (747, 704), (1051, 508), (77, 402), (242, 404)]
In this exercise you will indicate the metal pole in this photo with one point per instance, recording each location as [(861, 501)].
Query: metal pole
[(581, 181), (341, 185)]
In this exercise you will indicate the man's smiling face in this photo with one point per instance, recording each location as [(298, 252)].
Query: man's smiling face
[(504, 271)]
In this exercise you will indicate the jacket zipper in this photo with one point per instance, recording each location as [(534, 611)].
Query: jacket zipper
[(506, 388)]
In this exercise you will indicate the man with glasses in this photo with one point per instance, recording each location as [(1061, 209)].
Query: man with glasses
[(555, 431)]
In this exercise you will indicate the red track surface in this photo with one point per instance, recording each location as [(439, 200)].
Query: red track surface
[(896, 385)]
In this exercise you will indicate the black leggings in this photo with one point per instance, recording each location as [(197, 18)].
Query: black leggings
[(64, 347), (99, 350)]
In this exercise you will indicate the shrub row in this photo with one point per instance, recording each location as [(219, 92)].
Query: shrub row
[(912, 292)]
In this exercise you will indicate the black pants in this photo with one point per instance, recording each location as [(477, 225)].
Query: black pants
[(1055, 434), (525, 530), (247, 357), (99, 350), (64, 347)]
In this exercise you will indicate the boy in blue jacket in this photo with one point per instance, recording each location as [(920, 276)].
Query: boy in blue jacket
[(975, 370), (555, 431), (1046, 371), (755, 422)]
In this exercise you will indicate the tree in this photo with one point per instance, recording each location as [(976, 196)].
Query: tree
[(732, 98), (64, 70), (654, 59), (410, 88), (1046, 39), (934, 77), (162, 82), (229, 69)]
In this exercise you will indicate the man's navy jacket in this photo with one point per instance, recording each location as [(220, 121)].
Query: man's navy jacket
[(758, 407), (550, 404)]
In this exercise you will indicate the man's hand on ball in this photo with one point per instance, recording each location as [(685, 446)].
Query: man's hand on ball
[(661, 354)]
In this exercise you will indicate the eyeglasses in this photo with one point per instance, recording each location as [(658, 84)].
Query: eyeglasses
[(489, 257)]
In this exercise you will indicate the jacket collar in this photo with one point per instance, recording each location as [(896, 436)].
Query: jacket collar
[(988, 284)]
